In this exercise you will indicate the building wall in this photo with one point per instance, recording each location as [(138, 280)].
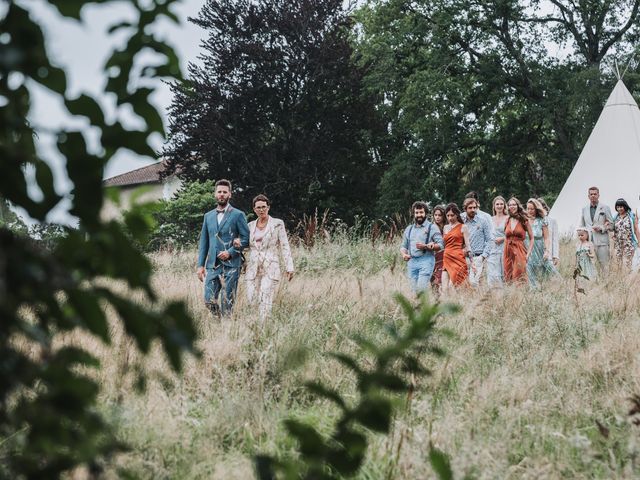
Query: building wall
[(111, 210), (152, 192)]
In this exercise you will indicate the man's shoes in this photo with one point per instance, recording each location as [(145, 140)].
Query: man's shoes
[(214, 308)]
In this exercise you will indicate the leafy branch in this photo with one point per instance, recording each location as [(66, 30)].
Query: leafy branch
[(393, 371), (49, 423)]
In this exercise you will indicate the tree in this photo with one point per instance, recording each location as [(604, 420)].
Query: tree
[(10, 220), (494, 96), (277, 107), (48, 420)]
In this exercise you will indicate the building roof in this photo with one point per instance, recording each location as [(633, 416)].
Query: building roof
[(139, 176)]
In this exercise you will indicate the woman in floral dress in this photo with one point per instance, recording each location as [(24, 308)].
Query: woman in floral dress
[(625, 234)]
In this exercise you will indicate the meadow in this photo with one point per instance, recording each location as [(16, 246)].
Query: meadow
[(535, 384)]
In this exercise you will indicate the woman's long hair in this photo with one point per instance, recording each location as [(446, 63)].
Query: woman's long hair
[(520, 214), (540, 212), (441, 209), (493, 205), (544, 205), (452, 207)]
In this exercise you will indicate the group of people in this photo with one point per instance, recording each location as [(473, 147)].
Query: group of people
[(517, 244)]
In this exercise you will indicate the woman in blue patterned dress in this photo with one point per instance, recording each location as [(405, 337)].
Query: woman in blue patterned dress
[(539, 263)]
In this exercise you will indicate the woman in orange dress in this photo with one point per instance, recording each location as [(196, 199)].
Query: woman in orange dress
[(515, 254), (454, 264)]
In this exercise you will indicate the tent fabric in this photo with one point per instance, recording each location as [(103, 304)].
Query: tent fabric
[(610, 160)]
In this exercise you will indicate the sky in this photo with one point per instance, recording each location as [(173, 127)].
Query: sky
[(82, 49)]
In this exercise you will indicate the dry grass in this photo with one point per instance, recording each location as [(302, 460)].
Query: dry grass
[(528, 377)]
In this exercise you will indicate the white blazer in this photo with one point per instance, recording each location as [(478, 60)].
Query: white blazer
[(265, 255)]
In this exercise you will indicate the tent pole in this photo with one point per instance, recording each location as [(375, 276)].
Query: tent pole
[(628, 65)]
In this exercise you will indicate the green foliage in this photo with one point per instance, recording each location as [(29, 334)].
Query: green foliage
[(391, 370), (47, 234), (48, 420), (278, 107), (10, 220), (478, 96), (179, 220)]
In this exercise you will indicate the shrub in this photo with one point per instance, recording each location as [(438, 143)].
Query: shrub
[(179, 220)]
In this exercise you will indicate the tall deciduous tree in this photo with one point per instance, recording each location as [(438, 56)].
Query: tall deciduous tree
[(277, 107), (497, 96)]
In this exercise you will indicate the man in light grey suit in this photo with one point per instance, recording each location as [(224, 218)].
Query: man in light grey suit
[(598, 217)]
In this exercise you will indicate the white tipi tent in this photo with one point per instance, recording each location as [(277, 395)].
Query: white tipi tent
[(610, 161)]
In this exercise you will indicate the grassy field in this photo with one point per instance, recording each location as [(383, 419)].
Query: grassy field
[(527, 379)]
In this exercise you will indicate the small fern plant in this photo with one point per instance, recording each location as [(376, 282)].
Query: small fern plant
[(392, 372)]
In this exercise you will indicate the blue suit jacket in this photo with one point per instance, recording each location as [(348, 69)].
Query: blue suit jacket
[(216, 238)]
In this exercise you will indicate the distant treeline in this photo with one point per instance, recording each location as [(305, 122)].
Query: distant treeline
[(363, 110)]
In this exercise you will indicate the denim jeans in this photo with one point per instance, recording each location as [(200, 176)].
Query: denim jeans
[(419, 271)]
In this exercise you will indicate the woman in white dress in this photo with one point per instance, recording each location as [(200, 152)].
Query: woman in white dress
[(267, 243), (495, 266)]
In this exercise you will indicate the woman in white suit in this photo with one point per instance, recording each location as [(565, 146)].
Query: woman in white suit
[(267, 243)]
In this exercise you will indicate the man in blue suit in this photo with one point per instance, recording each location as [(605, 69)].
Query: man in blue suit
[(219, 262)]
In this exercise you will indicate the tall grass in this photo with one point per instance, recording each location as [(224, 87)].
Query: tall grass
[(536, 384)]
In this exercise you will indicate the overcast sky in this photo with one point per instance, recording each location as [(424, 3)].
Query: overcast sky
[(82, 49)]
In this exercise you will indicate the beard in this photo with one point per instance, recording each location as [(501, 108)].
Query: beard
[(419, 220), (222, 203)]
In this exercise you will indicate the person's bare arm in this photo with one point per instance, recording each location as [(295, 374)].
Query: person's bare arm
[(531, 239), (467, 242), (547, 241)]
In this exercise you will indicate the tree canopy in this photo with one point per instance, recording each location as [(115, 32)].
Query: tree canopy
[(277, 106), (495, 96), (366, 110)]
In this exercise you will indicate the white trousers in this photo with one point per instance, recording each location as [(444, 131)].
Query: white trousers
[(261, 290), (474, 277)]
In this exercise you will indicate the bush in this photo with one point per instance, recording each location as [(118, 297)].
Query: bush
[(179, 220)]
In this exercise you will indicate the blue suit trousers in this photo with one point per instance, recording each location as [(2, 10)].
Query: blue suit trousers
[(220, 288)]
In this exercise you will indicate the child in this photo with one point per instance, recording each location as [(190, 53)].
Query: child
[(585, 255)]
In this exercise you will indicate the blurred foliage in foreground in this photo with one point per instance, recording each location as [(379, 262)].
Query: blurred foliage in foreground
[(48, 420)]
